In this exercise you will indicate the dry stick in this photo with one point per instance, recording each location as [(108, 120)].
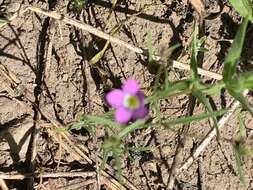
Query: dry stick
[(35, 135), (106, 181), (79, 185), (87, 28), (52, 31), (117, 41), (233, 106), (79, 154), (3, 185), (112, 39), (46, 175), (8, 75), (14, 16)]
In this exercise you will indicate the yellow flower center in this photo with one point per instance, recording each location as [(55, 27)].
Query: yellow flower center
[(131, 102)]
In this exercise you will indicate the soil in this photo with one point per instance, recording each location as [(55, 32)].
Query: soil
[(50, 62)]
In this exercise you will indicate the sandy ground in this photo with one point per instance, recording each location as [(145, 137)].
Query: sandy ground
[(52, 85)]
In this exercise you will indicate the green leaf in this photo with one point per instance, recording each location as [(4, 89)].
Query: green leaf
[(79, 125), (167, 53), (91, 120), (234, 54), (244, 7), (213, 89), (246, 80), (241, 149), (194, 118), (150, 47), (204, 100), (3, 22), (246, 150), (173, 89), (238, 162), (99, 120), (79, 4), (194, 53), (100, 54), (242, 130), (140, 149), (114, 147), (239, 96)]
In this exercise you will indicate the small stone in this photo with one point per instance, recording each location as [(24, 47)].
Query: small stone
[(65, 77), (13, 7)]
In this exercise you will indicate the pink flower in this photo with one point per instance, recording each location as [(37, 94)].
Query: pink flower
[(128, 102)]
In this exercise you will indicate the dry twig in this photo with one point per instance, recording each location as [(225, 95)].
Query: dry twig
[(3, 185), (198, 6), (115, 40), (17, 176), (206, 141), (79, 185), (112, 39)]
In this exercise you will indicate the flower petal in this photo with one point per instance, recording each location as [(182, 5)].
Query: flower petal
[(130, 86), (115, 98), (123, 115), (140, 113), (141, 97)]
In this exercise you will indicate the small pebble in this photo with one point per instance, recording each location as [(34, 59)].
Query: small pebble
[(65, 77), (13, 7)]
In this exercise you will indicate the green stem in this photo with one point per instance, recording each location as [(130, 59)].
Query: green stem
[(136, 125)]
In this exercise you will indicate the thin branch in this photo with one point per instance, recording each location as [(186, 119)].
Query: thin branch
[(14, 16), (117, 41), (46, 175), (86, 27), (202, 72), (110, 38)]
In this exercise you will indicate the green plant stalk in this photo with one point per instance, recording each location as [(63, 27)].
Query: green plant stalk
[(238, 161), (213, 89), (194, 118), (151, 50), (194, 54), (235, 52), (174, 88), (136, 125), (182, 87)]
